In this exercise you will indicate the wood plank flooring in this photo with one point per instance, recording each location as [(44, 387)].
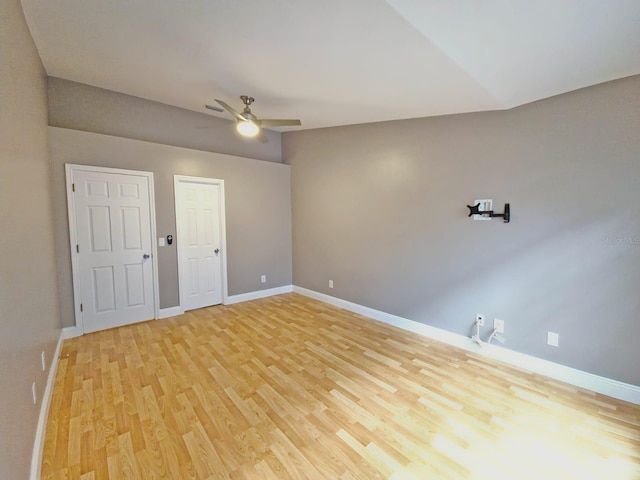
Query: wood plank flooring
[(291, 388)]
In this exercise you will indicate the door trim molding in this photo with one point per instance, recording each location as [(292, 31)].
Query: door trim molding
[(177, 180), (70, 169)]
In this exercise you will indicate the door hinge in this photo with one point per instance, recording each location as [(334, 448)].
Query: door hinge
[(77, 248), (80, 307), (73, 187)]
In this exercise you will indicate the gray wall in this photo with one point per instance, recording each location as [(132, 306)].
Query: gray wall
[(29, 319), (257, 197), (380, 210), (91, 109)]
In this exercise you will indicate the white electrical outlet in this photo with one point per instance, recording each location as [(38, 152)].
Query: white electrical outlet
[(485, 206), (44, 361), (480, 319), (263, 279), (498, 325), (552, 339), (330, 283), (33, 393)]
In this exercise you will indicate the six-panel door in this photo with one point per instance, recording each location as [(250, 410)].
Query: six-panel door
[(199, 244), (113, 230)]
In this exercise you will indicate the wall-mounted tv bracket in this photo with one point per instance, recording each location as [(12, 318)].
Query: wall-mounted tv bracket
[(475, 210)]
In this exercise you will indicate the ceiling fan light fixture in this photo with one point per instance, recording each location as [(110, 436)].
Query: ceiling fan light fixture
[(247, 129)]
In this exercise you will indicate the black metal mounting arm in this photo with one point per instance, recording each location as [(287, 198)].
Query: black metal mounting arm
[(475, 210)]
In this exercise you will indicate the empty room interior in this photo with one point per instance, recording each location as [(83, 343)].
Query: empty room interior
[(320, 240)]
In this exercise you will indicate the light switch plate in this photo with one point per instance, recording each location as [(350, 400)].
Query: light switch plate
[(161, 242)]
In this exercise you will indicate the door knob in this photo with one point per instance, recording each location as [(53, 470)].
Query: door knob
[(216, 251), (146, 255)]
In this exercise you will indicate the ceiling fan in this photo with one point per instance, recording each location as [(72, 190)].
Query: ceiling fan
[(248, 124)]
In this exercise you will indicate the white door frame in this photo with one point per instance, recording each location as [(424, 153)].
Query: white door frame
[(75, 263), (177, 179)]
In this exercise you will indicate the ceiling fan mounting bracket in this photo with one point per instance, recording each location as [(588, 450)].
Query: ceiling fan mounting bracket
[(246, 113), (247, 100)]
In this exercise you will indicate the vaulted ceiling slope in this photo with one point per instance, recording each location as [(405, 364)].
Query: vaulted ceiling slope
[(338, 62)]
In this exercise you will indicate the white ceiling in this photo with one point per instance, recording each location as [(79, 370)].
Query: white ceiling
[(339, 62)]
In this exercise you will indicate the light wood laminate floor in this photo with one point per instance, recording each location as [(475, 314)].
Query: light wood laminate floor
[(291, 388)]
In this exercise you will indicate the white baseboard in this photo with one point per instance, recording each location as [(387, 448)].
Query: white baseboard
[(170, 312), (231, 299), (71, 332), (244, 297), (579, 378), (38, 446), (75, 331)]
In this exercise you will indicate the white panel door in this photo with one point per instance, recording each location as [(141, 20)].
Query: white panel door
[(198, 207), (113, 233)]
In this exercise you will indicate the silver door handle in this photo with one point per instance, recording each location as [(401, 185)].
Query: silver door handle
[(146, 255), (216, 251)]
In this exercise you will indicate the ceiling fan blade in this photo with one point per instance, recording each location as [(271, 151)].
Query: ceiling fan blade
[(228, 108), (213, 107), (273, 122)]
